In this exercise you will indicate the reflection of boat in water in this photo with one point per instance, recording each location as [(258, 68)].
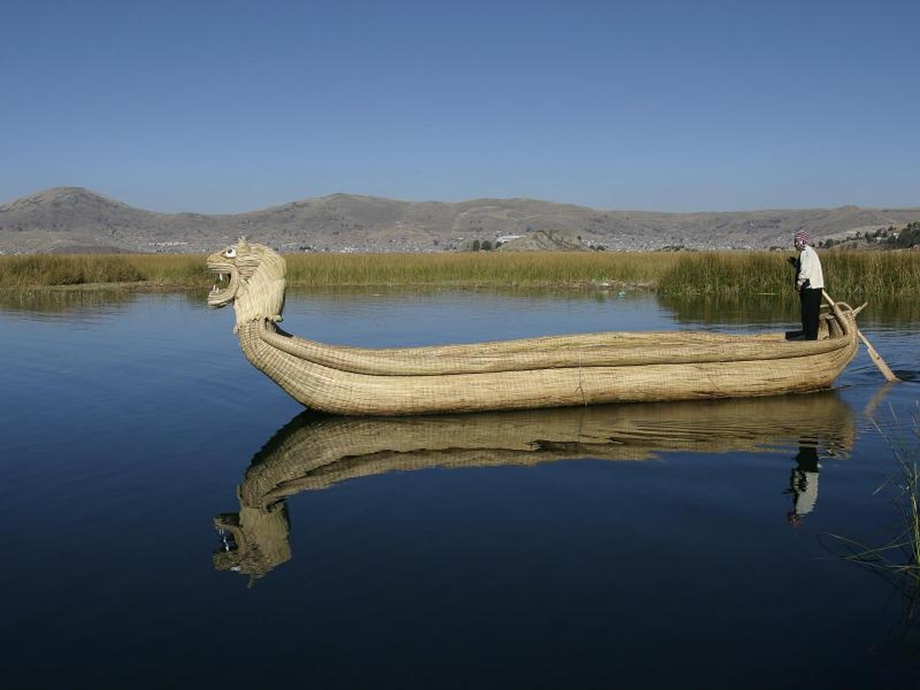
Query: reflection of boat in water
[(313, 453), (552, 371)]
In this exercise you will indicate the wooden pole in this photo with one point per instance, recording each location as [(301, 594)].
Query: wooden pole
[(873, 353), (877, 358)]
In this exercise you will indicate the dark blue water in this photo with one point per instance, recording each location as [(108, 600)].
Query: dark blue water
[(652, 546)]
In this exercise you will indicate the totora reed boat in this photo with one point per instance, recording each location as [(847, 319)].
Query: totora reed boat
[(552, 371)]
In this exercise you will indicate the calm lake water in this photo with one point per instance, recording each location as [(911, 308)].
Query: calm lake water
[(169, 518)]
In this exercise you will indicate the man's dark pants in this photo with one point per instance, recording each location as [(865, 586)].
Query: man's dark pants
[(811, 309)]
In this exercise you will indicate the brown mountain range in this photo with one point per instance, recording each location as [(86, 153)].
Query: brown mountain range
[(74, 219)]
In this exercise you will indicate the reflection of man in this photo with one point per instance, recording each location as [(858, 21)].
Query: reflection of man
[(803, 484)]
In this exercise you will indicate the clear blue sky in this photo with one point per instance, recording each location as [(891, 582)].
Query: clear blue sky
[(232, 105)]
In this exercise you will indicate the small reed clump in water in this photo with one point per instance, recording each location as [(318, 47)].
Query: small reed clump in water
[(901, 555)]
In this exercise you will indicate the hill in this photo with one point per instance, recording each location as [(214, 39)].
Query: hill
[(74, 219)]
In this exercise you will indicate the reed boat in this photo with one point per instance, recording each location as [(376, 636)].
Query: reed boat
[(543, 372), (317, 452)]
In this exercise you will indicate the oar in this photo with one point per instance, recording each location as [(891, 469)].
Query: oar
[(873, 353)]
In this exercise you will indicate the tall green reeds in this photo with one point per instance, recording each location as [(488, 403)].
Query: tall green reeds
[(873, 274), (180, 270), (850, 276), (726, 274), (847, 275), (47, 270), (42, 270), (483, 269)]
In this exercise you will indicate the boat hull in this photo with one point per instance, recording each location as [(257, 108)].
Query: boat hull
[(336, 390)]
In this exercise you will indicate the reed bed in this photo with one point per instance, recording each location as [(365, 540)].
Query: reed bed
[(481, 269), (181, 270), (873, 274), (849, 275), (31, 271), (721, 274), (43, 270)]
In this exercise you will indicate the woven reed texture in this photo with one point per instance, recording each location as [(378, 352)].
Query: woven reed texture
[(554, 371), (734, 366), (588, 350)]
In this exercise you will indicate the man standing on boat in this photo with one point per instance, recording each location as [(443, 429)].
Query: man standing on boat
[(809, 281)]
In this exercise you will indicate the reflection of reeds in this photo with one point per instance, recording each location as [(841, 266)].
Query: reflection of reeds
[(70, 302), (877, 275), (773, 309)]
